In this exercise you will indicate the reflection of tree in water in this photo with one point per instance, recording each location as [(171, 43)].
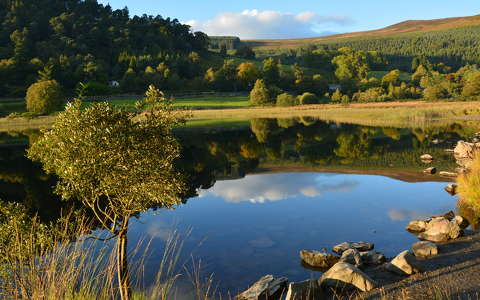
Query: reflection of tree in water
[(353, 147)]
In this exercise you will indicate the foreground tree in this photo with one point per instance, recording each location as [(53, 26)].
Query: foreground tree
[(44, 97), (117, 163)]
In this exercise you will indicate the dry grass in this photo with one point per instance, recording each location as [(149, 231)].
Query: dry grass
[(394, 114), (469, 185)]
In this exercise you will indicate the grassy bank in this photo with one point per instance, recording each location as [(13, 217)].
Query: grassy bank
[(397, 114), (408, 114)]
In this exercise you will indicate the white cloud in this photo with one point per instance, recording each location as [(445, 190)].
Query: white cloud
[(257, 24), (276, 187)]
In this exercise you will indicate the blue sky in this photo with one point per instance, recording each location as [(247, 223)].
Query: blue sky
[(300, 18)]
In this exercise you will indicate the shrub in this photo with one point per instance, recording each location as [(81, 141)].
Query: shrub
[(44, 97), (285, 99), (260, 94), (308, 98), (345, 100), (337, 96), (435, 92)]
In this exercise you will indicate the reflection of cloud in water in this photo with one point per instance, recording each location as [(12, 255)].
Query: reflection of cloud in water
[(275, 187), (403, 214)]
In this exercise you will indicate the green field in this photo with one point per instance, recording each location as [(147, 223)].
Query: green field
[(404, 76), (212, 102)]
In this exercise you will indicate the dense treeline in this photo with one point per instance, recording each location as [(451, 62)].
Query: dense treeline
[(454, 47), (73, 40)]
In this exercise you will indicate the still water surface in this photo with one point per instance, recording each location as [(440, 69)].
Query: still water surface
[(246, 228), (262, 192)]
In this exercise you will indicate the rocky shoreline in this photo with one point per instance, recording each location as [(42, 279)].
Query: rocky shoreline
[(444, 264)]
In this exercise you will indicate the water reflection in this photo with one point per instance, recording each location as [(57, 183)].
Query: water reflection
[(310, 178), (275, 187)]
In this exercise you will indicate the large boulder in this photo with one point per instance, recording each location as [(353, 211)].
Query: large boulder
[(344, 275), (404, 263), (417, 226), (465, 150), (425, 249), (266, 288), (440, 229), (360, 246), (305, 290), (372, 257), (353, 257), (318, 259)]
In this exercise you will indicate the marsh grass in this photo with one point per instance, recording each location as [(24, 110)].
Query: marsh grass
[(86, 269)]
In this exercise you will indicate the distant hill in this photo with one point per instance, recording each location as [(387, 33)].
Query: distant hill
[(411, 26)]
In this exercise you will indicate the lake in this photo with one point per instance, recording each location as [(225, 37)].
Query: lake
[(263, 190)]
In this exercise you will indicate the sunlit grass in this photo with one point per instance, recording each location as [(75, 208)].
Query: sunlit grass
[(469, 185)]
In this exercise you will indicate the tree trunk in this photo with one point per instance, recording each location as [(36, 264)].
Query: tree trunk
[(122, 262)]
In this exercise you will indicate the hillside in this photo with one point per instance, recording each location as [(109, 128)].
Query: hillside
[(411, 26)]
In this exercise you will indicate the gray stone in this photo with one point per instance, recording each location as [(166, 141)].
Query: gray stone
[(343, 275), (372, 257), (431, 170), (447, 174), (417, 226), (318, 259), (451, 189), (462, 222), (352, 256), (426, 157), (305, 290), (404, 263), (266, 288), (360, 246), (425, 249)]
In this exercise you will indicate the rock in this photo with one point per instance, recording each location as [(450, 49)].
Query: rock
[(440, 229), (431, 170), (449, 215), (266, 288), (436, 141), (352, 256), (372, 257), (449, 150), (426, 157), (462, 222), (403, 264), (360, 246), (464, 150), (447, 174), (425, 249), (305, 290), (417, 226), (344, 275), (461, 170), (475, 140), (318, 259), (451, 189)]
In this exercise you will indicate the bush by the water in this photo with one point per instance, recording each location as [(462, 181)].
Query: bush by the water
[(308, 98), (44, 97), (286, 99), (260, 94)]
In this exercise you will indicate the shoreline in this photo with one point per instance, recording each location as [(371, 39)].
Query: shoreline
[(400, 114)]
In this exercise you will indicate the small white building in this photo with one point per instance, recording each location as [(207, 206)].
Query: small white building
[(334, 87), (114, 83)]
